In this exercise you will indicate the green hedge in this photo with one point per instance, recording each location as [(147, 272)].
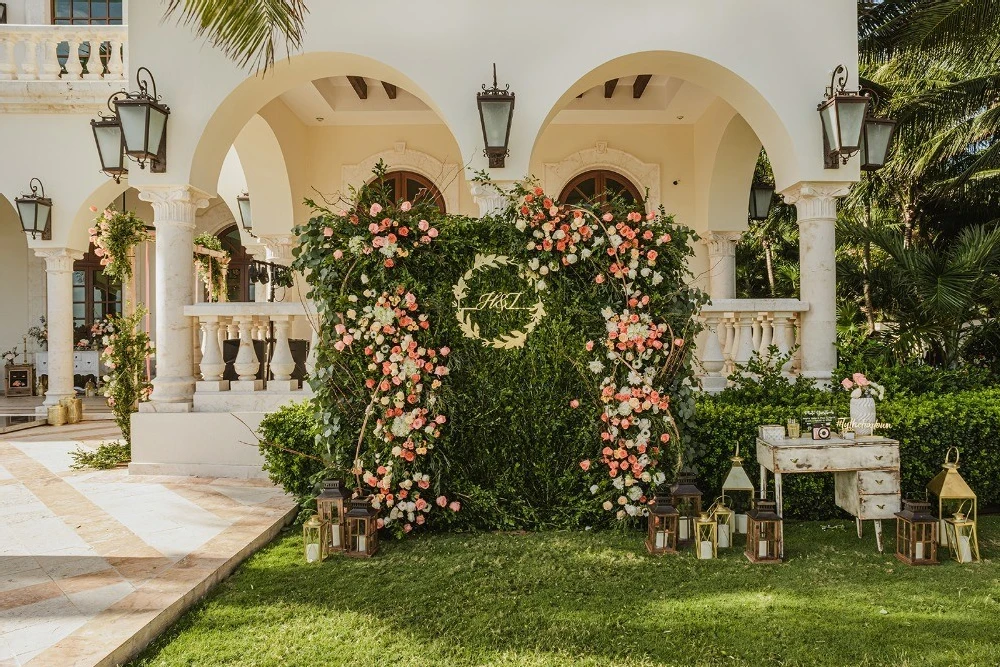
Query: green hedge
[(926, 426)]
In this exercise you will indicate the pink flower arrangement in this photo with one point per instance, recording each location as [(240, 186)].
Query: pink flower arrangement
[(861, 387)]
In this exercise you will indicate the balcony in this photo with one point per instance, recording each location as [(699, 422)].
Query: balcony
[(54, 68)]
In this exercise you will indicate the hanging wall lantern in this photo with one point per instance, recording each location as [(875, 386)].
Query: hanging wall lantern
[(246, 214), (110, 145), (143, 120), (662, 524), (496, 111), (953, 494), (761, 196), (330, 506), (35, 212), (842, 114), (738, 482), (686, 497), (916, 534), (876, 137)]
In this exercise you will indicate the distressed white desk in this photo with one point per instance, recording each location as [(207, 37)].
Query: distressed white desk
[(866, 472)]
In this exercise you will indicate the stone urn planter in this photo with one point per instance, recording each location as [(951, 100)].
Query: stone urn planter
[(863, 414)]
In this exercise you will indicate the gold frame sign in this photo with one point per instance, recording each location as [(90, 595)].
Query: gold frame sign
[(496, 301)]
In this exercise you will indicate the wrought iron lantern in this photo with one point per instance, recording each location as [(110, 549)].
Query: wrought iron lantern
[(662, 522), (361, 523), (963, 541), (876, 138), (315, 538), (725, 518), (110, 144), (738, 482), (35, 211), (843, 115), (953, 494), (330, 506), (143, 120), (706, 532), (496, 112), (686, 497), (764, 533), (246, 214), (761, 197), (916, 534)]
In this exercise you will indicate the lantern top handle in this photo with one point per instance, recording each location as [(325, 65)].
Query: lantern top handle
[(110, 103), (838, 85), (948, 463), (34, 190), (144, 85), (496, 90)]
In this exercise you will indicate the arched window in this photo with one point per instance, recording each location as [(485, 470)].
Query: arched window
[(412, 187), (95, 296), (238, 285), (598, 186)]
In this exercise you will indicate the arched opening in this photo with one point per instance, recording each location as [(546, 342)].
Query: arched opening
[(598, 187), (412, 187)]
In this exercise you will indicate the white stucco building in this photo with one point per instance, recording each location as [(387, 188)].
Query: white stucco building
[(670, 97)]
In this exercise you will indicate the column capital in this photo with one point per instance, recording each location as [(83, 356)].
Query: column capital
[(491, 197), (58, 260), (721, 244), (278, 247), (816, 199), (174, 204)]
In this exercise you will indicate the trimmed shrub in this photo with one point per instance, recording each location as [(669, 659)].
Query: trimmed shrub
[(288, 444)]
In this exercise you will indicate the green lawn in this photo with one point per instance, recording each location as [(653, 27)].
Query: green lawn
[(581, 598)]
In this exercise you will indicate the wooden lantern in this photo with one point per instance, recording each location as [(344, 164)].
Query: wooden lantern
[(706, 532), (686, 497), (662, 538), (916, 534), (330, 506), (315, 538), (764, 533), (361, 523)]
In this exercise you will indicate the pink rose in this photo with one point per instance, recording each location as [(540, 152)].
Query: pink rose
[(440, 419), (585, 464), (99, 252), (679, 342), (423, 225), (861, 380), (445, 351), (441, 501), (375, 209), (432, 232), (337, 254), (553, 211), (847, 384), (575, 404), (590, 345), (420, 504), (405, 206), (408, 527), (599, 279), (650, 216), (92, 231), (328, 232), (607, 217), (93, 209), (454, 506), (420, 519)]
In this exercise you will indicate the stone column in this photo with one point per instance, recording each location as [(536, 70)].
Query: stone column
[(174, 209), (816, 204), (59, 317), (721, 263), (490, 196)]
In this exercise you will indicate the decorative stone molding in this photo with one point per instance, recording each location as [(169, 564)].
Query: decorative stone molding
[(174, 204), (645, 176), (279, 247), (58, 260), (721, 244), (445, 175), (816, 200), (216, 218), (490, 196)]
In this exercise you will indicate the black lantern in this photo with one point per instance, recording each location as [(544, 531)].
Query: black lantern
[(143, 121), (843, 116), (662, 527), (496, 111), (761, 196), (361, 533), (876, 137), (110, 146), (35, 211), (246, 215)]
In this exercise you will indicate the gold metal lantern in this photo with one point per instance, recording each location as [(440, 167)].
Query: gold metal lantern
[(916, 534), (764, 533), (662, 523), (315, 538), (963, 541), (953, 494), (738, 487), (706, 532), (361, 523), (330, 506), (686, 497), (724, 517)]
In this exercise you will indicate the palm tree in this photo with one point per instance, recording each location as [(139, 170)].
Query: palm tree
[(247, 31)]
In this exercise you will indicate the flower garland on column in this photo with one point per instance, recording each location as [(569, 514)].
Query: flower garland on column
[(641, 357), (114, 234), (212, 270), (377, 368)]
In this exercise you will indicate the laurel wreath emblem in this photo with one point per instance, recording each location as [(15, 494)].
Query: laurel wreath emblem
[(470, 329)]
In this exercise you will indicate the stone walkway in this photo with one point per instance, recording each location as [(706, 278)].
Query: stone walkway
[(95, 564)]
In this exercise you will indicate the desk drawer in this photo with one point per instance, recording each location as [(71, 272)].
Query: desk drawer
[(835, 458), (878, 481), (878, 506)]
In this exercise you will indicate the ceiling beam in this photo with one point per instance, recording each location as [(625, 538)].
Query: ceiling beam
[(390, 90), (639, 87), (609, 88), (360, 86)]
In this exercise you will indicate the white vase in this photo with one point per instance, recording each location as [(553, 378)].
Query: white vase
[(863, 414)]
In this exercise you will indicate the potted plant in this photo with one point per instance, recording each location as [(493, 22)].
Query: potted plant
[(863, 395)]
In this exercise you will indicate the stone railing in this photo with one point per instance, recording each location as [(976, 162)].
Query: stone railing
[(251, 357), (736, 328), (45, 67)]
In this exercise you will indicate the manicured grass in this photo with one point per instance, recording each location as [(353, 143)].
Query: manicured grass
[(582, 598)]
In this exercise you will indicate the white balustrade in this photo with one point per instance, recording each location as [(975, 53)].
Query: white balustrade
[(274, 325), (31, 52), (735, 329)]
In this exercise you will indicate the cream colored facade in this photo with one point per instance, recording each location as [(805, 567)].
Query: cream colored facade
[(726, 78)]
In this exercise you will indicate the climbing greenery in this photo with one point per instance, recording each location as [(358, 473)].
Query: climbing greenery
[(211, 270), (114, 234), (126, 348), (485, 414)]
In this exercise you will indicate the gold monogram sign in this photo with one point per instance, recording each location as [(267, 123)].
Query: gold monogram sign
[(496, 301)]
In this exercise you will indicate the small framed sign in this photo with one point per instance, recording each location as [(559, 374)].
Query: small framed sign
[(19, 380)]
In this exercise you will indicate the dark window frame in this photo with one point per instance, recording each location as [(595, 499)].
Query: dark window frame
[(238, 275), (90, 267), (600, 178), (399, 179)]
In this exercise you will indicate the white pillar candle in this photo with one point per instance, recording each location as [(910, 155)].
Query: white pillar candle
[(723, 535), (312, 553), (705, 549), (943, 534), (964, 549), (683, 528), (362, 544), (661, 539), (741, 524), (336, 535), (762, 550), (919, 551)]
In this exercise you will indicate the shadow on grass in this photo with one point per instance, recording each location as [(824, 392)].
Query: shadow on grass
[(594, 599)]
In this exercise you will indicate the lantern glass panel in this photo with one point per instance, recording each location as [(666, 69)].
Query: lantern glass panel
[(963, 542), (109, 145), (246, 214), (34, 214), (760, 201), (314, 538), (875, 142), (850, 115), (706, 537), (496, 113), (725, 519), (157, 121), (662, 525), (133, 123)]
